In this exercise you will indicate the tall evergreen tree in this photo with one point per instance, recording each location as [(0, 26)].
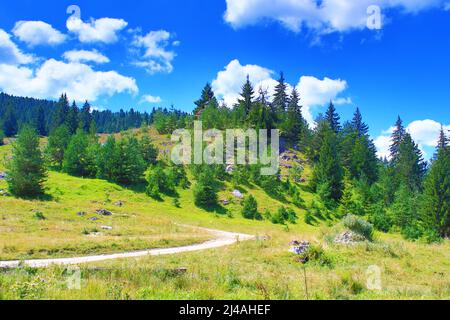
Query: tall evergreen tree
[(26, 170), (9, 122), (442, 143), (358, 124), (2, 138), (85, 117), (206, 97), (60, 113), (72, 120), (57, 145), (328, 174), (280, 98), (247, 93), (436, 204), (333, 118), (78, 161), (396, 139), (40, 122), (294, 123), (410, 167)]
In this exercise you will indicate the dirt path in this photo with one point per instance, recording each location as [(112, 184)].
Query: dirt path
[(222, 239)]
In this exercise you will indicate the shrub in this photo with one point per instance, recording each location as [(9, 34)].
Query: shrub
[(359, 226), (250, 208), (380, 218), (39, 215)]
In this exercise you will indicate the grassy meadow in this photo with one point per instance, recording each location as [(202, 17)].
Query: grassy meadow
[(261, 269)]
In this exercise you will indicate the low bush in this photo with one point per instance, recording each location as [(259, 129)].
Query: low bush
[(359, 226)]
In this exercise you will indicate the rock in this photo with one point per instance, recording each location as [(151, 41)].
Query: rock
[(4, 193), (118, 203), (299, 247), (104, 212), (81, 213), (262, 238), (106, 228), (93, 219), (229, 169), (238, 194), (3, 175), (225, 202), (348, 238)]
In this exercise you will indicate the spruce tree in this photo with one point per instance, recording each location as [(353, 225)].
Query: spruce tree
[(294, 123), (396, 139), (358, 124), (442, 143), (436, 198), (85, 116), (72, 120), (131, 165), (9, 122), (78, 161), (206, 97), (148, 151), (26, 170), (40, 122), (247, 93), (57, 145), (2, 138), (333, 118), (60, 113), (410, 167), (328, 174), (108, 160), (205, 193), (280, 98)]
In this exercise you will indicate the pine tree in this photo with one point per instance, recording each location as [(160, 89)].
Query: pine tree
[(131, 165), (72, 120), (333, 118), (358, 125), (206, 97), (247, 93), (328, 174), (280, 98), (40, 122), (26, 170), (442, 143), (9, 122), (78, 161), (60, 113), (85, 115), (148, 150), (294, 123), (364, 162), (2, 138), (108, 160), (205, 193), (436, 198), (396, 139), (57, 145), (410, 167)]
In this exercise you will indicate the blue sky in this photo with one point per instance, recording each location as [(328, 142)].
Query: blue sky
[(148, 53)]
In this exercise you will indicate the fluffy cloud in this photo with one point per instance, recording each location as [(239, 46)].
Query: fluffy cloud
[(53, 77), (85, 56), (447, 6), (10, 53), (101, 30), (153, 53), (150, 99), (322, 16), (314, 92), (424, 132), (38, 33)]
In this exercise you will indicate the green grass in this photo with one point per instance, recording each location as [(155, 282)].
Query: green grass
[(262, 269)]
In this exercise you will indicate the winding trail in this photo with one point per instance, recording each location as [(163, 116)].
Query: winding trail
[(223, 238)]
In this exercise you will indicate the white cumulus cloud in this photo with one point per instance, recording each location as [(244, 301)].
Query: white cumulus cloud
[(323, 16), (85, 56), (10, 53), (314, 92), (153, 53), (53, 77), (102, 30), (150, 99), (38, 33)]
